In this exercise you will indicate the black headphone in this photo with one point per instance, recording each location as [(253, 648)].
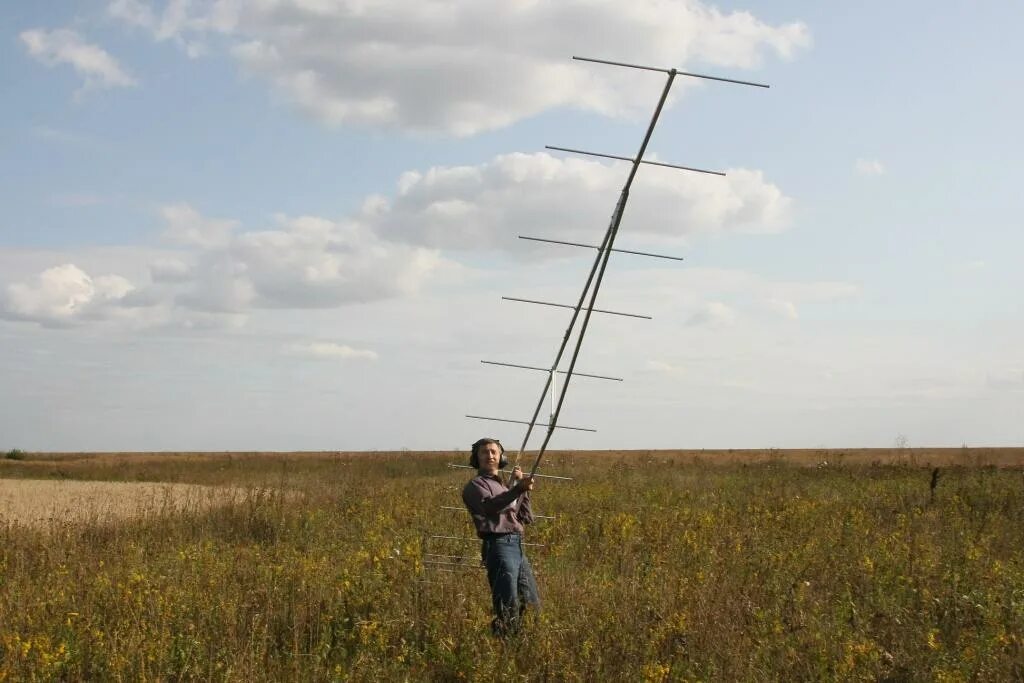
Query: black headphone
[(474, 457)]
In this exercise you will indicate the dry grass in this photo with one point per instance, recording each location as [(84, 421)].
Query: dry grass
[(659, 566), (41, 503), (66, 464)]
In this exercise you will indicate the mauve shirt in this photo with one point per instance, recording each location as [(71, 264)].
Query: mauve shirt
[(495, 508)]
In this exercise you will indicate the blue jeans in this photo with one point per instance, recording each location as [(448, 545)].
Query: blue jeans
[(511, 579)]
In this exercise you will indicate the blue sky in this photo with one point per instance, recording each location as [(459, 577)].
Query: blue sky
[(287, 224)]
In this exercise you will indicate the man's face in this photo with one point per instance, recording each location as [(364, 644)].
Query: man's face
[(489, 455)]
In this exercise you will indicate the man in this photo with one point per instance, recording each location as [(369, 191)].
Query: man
[(499, 513)]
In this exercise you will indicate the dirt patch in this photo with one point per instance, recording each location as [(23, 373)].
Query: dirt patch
[(36, 502)]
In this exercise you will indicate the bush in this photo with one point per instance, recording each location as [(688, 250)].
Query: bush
[(16, 454)]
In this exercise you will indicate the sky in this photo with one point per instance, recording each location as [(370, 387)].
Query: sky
[(288, 224)]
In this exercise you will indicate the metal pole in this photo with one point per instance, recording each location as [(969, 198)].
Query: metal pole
[(553, 382), (561, 348), (603, 254)]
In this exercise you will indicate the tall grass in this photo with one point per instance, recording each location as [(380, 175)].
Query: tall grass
[(652, 570)]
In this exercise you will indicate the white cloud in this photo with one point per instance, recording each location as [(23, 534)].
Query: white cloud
[(176, 21), (306, 262), (713, 314), (223, 274), (185, 226), (663, 367), (63, 46), (811, 292), (974, 266), (63, 295), (330, 351), (787, 309), (391, 247), (132, 12), (687, 289), (869, 167), (487, 206), (170, 270), (462, 67), (314, 262), (1006, 379)]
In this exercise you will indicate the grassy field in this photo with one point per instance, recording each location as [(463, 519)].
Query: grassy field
[(67, 501), (658, 566)]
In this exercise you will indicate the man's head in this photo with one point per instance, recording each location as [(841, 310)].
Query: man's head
[(488, 455)]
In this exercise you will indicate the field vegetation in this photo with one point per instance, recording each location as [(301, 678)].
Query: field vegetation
[(41, 502), (659, 566)]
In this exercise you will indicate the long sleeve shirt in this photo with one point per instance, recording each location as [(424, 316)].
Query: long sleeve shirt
[(495, 508)]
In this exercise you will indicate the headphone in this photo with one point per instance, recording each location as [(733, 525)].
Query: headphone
[(474, 457)]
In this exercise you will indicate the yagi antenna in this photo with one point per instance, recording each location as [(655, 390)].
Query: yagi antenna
[(585, 305), (588, 296)]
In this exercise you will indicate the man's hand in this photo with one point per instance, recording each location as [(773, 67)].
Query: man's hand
[(521, 480)]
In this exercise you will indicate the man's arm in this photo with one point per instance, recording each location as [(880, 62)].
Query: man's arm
[(479, 500), (524, 484), (525, 511)]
